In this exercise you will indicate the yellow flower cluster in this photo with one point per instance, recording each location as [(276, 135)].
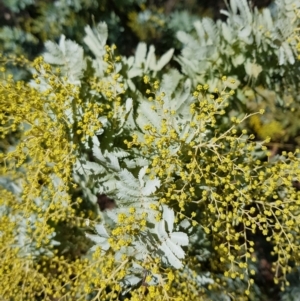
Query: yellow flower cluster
[(236, 194), (111, 86), (39, 138), (208, 170)]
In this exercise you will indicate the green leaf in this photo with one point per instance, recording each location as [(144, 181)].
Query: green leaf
[(180, 238), (201, 33), (176, 249), (164, 60), (100, 241), (101, 230), (68, 55), (172, 259), (227, 32), (170, 81), (150, 187), (252, 69), (148, 116), (142, 173), (140, 54), (169, 217), (128, 179), (288, 52), (211, 31), (90, 168), (96, 38), (185, 38), (151, 60), (233, 6)]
